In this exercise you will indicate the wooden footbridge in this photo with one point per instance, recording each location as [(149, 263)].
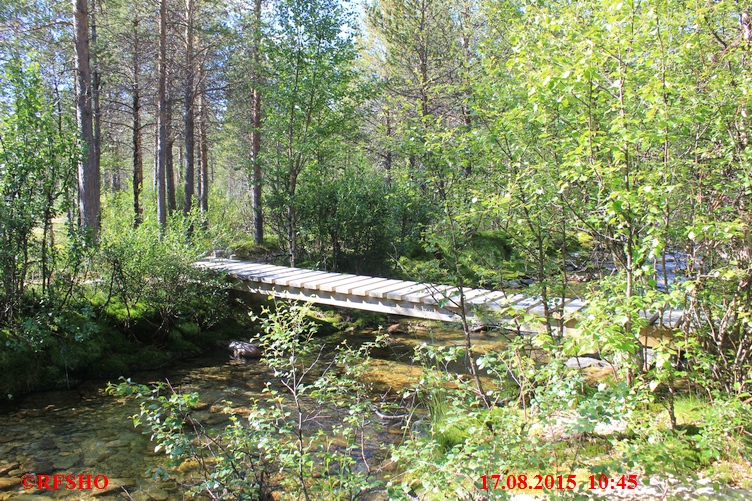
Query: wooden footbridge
[(399, 297)]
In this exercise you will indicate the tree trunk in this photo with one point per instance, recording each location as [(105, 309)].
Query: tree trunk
[(258, 216), (203, 149), (188, 94), (162, 119), (291, 237), (95, 91), (138, 159), (88, 174), (388, 155), (170, 172)]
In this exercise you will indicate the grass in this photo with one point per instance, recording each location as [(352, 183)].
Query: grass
[(689, 409)]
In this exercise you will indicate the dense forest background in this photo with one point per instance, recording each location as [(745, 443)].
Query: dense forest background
[(568, 148)]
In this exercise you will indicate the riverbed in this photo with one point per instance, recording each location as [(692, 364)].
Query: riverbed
[(85, 431)]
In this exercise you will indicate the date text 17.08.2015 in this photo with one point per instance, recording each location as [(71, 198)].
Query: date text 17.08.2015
[(556, 482)]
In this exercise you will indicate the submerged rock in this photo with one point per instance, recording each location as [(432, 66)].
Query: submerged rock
[(242, 349), (9, 483), (395, 329)]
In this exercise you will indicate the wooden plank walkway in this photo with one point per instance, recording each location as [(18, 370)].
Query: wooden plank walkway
[(399, 297)]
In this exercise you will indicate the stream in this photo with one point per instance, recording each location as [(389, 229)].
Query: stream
[(84, 431)]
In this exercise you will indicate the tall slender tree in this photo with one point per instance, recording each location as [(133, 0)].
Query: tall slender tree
[(203, 145), (138, 159), (255, 133), (162, 137), (189, 93), (88, 171)]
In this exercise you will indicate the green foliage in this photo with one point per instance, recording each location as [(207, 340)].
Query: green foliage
[(279, 447), (38, 154), (486, 259), (310, 98), (345, 220), (540, 431), (546, 419), (149, 275)]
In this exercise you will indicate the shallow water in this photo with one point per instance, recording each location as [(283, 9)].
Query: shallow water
[(84, 431)]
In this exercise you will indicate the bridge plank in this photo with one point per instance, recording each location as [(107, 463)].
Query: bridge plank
[(574, 306), (400, 294), (527, 303), (294, 280), (316, 283), (279, 275), (471, 294), (508, 302), (363, 285), (552, 306), (381, 292), (430, 294), (366, 289), (257, 271), (332, 286), (492, 296), (232, 266), (670, 319)]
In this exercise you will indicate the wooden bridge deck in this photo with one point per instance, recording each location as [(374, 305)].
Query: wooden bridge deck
[(399, 297)]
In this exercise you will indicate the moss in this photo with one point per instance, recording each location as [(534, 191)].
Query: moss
[(109, 367), (106, 347), (491, 245), (177, 342), (248, 249), (189, 330), (149, 358)]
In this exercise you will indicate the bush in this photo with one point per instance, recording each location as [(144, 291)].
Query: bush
[(275, 449), (149, 275), (345, 221)]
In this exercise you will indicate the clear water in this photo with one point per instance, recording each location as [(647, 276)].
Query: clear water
[(84, 431)]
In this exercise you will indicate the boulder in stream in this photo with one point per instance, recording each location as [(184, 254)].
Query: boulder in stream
[(242, 349)]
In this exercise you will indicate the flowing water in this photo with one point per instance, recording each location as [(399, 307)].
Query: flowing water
[(84, 431)]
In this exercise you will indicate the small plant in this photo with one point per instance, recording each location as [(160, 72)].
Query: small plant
[(282, 446)]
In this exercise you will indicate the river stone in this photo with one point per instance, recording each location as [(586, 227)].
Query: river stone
[(5, 468), (113, 485), (218, 408), (188, 465), (67, 462), (201, 416), (130, 436), (212, 396), (157, 494), (201, 406), (216, 419), (46, 445), (94, 452), (9, 483), (582, 362), (116, 444), (37, 465), (139, 496)]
